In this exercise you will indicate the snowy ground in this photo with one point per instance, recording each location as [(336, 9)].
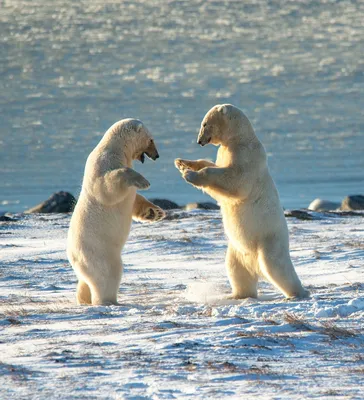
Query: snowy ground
[(175, 335)]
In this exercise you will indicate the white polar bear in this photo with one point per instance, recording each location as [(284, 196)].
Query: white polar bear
[(253, 218), (101, 221)]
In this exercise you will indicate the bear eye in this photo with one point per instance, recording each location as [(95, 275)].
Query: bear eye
[(204, 124)]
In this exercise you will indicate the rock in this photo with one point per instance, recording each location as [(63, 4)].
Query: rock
[(60, 202), (204, 206), (5, 218), (355, 202), (165, 204), (299, 214), (323, 205), (172, 215)]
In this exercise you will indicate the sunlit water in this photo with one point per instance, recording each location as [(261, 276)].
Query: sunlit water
[(69, 69)]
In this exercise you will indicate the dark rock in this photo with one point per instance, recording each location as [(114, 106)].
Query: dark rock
[(172, 215), (340, 213), (5, 218), (355, 202), (299, 214), (165, 204), (60, 202), (203, 206), (323, 205)]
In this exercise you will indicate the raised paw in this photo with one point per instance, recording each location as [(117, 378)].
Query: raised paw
[(153, 214), (141, 183), (191, 177), (181, 164)]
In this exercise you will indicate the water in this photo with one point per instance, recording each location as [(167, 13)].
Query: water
[(70, 69)]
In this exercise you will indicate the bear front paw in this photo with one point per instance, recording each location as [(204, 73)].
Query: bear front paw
[(191, 177), (154, 214), (141, 183), (180, 164)]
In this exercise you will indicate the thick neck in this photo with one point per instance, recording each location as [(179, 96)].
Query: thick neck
[(234, 140), (120, 147)]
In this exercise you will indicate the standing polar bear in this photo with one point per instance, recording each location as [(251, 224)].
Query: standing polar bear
[(101, 221), (253, 218)]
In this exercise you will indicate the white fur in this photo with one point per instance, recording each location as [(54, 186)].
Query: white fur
[(252, 214), (101, 221)]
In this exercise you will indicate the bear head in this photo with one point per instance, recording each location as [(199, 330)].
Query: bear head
[(223, 123), (147, 146), (136, 139)]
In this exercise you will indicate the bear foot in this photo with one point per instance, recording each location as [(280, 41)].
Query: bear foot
[(105, 303), (304, 295), (153, 214), (240, 297)]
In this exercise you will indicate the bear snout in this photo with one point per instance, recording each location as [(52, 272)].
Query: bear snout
[(202, 141), (204, 136), (152, 152)]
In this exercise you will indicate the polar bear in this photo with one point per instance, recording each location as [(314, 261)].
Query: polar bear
[(254, 222), (101, 220)]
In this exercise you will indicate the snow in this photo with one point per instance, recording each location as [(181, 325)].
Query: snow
[(175, 333)]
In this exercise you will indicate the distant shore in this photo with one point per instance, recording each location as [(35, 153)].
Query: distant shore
[(64, 202)]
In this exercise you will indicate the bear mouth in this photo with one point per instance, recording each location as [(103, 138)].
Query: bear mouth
[(153, 156), (201, 143)]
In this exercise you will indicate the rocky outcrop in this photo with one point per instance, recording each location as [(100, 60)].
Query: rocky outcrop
[(299, 214), (165, 204), (60, 202), (203, 206), (5, 218), (352, 203)]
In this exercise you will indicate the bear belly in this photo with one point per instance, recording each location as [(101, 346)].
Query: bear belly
[(104, 228), (240, 230)]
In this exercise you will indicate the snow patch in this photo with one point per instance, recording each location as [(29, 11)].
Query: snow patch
[(203, 292), (176, 332)]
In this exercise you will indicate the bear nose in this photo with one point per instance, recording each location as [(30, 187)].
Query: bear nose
[(155, 155)]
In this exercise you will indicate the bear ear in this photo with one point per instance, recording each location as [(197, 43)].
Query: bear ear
[(139, 127), (222, 109)]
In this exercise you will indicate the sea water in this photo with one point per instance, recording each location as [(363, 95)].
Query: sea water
[(70, 69)]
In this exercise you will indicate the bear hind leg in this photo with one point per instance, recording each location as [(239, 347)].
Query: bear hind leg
[(104, 290), (104, 296), (83, 293), (243, 280), (276, 266)]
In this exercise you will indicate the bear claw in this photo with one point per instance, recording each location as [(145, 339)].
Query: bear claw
[(155, 214)]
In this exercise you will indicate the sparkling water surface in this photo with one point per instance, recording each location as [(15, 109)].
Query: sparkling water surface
[(70, 69)]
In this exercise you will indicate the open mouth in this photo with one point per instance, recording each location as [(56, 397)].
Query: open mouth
[(152, 156)]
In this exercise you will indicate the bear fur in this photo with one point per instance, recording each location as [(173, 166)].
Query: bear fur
[(101, 221), (254, 222)]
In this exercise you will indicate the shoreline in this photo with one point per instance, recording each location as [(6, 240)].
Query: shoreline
[(64, 202)]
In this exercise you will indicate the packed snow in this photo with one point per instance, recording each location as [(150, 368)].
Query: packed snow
[(175, 334)]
